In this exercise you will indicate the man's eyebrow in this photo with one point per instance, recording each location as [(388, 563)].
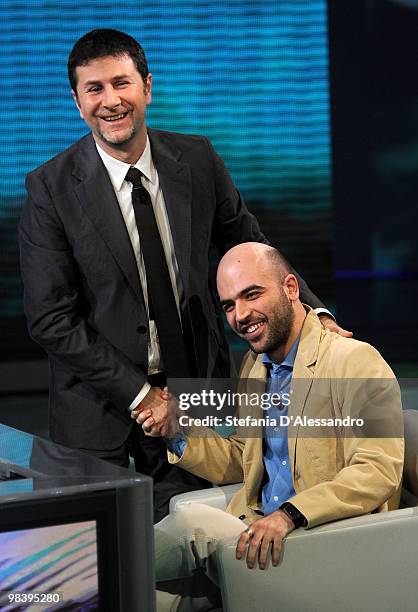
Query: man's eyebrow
[(98, 81), (91, 82), (250, 288), (226, 302), (241, 293)]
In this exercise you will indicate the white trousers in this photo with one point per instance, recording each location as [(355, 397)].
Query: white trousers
[(185, 541)]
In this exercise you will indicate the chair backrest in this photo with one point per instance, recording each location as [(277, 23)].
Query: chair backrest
[(410, 473)]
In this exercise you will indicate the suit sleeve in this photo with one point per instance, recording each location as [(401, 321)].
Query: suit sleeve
[(373, 463), (55, 306), (210, 456), (235, 224)]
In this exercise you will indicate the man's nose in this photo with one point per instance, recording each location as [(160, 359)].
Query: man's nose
[(242, 311), (111, 98)]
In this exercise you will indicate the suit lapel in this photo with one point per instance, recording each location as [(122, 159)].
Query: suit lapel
[(176, 184), (97, 197), (253, 460), (303, 376)]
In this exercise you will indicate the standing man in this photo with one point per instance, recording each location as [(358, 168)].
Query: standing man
[(115, 243)]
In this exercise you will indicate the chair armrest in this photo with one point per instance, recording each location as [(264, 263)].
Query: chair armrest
[(365, 563), (217, 497)]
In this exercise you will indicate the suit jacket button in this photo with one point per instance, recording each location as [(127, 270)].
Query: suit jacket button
[(141, 329)]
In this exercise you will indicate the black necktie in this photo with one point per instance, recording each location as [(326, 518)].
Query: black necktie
[(161, 302)]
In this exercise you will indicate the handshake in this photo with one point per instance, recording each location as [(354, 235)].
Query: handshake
[(158, 413)]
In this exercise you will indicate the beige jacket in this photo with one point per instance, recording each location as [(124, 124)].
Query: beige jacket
[(334, 477)]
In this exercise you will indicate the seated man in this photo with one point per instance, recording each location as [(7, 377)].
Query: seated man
[(298, 479)]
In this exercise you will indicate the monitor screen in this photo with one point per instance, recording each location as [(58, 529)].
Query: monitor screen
[(55, 566), (92, 545)]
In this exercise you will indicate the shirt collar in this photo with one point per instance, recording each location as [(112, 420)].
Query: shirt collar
[(117, 169), (288, 361)]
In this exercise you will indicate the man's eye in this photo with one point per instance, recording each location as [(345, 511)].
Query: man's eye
[(94, 89), (227, 307), (121, 83), (252, 295)]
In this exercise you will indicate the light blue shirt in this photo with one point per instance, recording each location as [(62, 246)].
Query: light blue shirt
[(279, 485)]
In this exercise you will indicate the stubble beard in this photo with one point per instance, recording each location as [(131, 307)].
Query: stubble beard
[(117, 141), (280, 326)]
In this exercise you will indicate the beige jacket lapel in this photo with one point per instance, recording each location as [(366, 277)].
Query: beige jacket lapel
[(302, 378), (253, 378)]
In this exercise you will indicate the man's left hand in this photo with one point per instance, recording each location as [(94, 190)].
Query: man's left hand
[(270, 529), (329, 323)]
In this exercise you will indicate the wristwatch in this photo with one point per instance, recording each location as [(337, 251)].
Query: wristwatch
[(294, 514)]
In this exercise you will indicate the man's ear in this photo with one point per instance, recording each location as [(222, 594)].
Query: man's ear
[(75, 98), (291, 287), (148, 89)]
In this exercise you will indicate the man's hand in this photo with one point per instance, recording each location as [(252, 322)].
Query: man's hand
[(270, 529), (157, 413), (152, 412), (329, 323)]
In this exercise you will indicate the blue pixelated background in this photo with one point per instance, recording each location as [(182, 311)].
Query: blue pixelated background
[(251, 75)]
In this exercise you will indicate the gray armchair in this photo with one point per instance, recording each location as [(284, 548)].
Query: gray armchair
[(360, 564)]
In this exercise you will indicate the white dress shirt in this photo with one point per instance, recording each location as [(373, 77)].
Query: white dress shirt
[(123, 190)]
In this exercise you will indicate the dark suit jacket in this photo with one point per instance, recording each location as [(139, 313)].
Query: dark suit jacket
[(83, 297)]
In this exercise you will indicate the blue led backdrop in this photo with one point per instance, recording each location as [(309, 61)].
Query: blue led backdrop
[(251, 75)]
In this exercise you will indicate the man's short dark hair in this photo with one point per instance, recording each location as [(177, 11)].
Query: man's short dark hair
[(102, 43)]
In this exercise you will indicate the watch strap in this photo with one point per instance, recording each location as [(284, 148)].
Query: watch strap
[(293, 513)]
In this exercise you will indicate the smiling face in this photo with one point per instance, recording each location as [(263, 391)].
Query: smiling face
[(112, 99), (258, 304)]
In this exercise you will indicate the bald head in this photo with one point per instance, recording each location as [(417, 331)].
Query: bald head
[(260, 297), (253, 255)]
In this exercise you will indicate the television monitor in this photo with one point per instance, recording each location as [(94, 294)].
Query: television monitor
[(73, 539)]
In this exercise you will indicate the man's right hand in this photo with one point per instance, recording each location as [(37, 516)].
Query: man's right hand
[(157, 413)]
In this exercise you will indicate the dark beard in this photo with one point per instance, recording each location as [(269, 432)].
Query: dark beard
[(280, 328)]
